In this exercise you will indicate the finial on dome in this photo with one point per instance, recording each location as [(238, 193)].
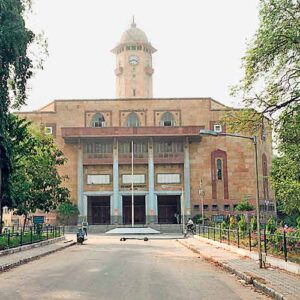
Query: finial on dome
[(133, 25)]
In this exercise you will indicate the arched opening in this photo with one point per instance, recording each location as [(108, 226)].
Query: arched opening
[(219, 169), (133, 120), (167, 119), (98, 120)]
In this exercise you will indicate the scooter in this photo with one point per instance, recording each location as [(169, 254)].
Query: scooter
[(80, 236)]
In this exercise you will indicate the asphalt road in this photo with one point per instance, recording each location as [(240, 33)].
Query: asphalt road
[(105, 268)]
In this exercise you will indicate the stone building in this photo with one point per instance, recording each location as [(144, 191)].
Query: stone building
[(170, 158)]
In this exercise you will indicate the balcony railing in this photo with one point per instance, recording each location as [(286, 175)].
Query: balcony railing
[(139, 158), (97, 158), (169, 157)]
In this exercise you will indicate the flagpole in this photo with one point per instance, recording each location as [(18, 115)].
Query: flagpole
[(132, 196)]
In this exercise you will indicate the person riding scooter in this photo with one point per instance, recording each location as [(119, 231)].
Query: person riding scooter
[(190, 225), (80, 236)]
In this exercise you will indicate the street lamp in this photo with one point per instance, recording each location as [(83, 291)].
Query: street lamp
[(254, 141), (202, 194)]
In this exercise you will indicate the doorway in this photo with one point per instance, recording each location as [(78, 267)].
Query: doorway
[(139, 210), (169, 211), (98, 210)]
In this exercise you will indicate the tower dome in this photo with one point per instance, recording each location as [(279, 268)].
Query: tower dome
[(134, 64), (133, 35)]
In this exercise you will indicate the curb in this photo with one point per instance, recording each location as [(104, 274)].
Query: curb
[(31, 246), (248, 279), (32, 258)]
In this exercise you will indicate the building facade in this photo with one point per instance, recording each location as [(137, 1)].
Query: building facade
[(159, 137)]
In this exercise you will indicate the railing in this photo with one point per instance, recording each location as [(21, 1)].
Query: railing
[(280, 245), (15, 236)]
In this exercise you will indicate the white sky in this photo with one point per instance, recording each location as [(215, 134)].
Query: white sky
[(200, 44)]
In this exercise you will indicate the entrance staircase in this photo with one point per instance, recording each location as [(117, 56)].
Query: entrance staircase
[(162, 228)]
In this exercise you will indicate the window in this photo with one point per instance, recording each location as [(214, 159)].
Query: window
[(98, 148), (139, 47), (133, 47), (226, 207), (234, 206), (133, 120), (127, 47), (168, 178), (98, 179), (169, 147), (214, 207), (217, 128), (196, 207), (139, 147), (137, 178), (98, 120), (48, 130), (205, 207), (167, 119), (219, 169), (271, 207)]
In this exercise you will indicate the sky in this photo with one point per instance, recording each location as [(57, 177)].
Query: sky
[(200, 44)]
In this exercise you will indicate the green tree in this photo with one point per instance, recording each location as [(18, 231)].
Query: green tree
[(35, 182), (67, 210), (271, 80), (16, 68), (285, 173), (244, 205)]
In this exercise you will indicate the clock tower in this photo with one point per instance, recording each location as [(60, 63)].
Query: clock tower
[(134, 64)]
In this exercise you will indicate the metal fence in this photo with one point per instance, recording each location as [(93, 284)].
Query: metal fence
[(280, 245), (12, 237)]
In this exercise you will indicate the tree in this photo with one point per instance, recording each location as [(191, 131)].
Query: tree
[(244, 205), (272, 62), (35, 182), (285, 173), (270, 88), (67, 210), (15, 69)]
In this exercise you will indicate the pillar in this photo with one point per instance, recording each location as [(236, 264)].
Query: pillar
[(151, 214), (116, 216), (80, 183), (187, 187)]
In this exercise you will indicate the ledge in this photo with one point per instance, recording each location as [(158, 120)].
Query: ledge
[(72, 134)]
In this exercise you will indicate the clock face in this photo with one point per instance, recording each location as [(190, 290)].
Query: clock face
[(133, 59)]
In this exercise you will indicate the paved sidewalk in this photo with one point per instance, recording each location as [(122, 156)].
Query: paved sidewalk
[(12, 260), (277, 283)]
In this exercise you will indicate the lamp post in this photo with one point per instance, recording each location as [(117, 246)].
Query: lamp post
[(202, 194), (132, 193), (254, 142)]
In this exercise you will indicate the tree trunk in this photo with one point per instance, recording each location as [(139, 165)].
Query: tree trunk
[(24, 224), (1, 208)]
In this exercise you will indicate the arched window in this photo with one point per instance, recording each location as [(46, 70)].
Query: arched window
[(167, 119), (98, 120), (133, 120), (219, 169)]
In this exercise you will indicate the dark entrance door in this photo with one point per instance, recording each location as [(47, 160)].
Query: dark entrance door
[(139, 210), (168, 209), (99, 210)]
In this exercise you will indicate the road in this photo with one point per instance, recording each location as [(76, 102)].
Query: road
[(105, 268)]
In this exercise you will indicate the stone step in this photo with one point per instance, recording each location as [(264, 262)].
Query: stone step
[(163, 228)]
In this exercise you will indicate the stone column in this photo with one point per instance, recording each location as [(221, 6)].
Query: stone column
[(151, 207), (80, 183), (85, 208), (187, 188), (116, 217)]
